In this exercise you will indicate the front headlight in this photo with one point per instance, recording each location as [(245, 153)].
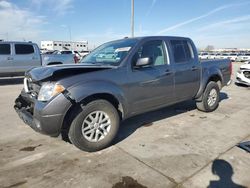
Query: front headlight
[(48, 90)]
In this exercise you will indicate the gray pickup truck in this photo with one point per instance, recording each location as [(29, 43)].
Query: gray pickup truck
[(18, 57), (118, 80), (57, 59)]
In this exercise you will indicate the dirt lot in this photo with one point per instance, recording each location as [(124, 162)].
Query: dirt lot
[(174, 147)]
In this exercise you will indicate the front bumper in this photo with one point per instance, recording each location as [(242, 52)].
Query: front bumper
[(241, 79), (46, 118)]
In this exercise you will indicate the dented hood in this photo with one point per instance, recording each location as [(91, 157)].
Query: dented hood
[(61, 71)]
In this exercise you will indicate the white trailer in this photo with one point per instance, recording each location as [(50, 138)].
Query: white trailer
[(65, 45)]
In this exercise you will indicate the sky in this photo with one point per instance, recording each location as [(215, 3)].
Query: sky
[(221, 23)]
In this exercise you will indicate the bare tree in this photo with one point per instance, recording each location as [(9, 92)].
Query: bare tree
[(209, 48)]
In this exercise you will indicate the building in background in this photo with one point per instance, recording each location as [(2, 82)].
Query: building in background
[(64, 45)]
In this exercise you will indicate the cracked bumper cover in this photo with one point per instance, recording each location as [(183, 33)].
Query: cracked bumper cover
[(241, 79), (46, 118)]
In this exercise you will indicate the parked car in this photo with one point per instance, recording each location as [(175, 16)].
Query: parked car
[(84, 53), (244, 57), (87, 101), (239, 55), (203, 55), (212, 56), (219, 56), (243, 75), (224, 56), (50, 52), (76, 53), (233, 56), (42, 50), (56, 59), (18, 57)]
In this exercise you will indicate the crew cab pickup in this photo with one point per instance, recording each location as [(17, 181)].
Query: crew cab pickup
[(118, 80), (18, 57)]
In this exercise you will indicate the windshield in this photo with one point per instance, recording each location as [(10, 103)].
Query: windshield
[(111, 53)]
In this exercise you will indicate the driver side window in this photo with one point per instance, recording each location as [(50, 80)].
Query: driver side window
[(153, 50)]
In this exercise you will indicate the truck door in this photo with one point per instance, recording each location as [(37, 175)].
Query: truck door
[(151, 86), (187, 69), (5, 59), (26, 57)]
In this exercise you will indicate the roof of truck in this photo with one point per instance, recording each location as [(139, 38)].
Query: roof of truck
[(154, 37), (177, 37), (17, 42)]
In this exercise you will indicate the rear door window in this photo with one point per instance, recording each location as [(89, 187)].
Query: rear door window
[(5, 49), (182, 51), (22, 49)]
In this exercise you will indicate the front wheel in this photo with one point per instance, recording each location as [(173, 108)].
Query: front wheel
[(210, 98), (95, 127)]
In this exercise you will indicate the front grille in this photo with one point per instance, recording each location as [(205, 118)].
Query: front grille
[(31, 87), (29, 94)]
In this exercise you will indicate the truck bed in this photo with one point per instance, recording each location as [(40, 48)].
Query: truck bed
[(224, 65)]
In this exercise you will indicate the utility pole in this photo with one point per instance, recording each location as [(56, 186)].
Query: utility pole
[(69, 29), (132, 18), (70, 37)]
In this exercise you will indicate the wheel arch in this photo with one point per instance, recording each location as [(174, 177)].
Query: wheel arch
[(215, 77), (77, 106)]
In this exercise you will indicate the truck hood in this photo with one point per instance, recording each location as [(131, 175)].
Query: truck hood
[(55, 72)]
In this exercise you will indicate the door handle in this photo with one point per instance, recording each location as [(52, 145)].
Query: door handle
[(9, 58), (194, 68), (168, 72)]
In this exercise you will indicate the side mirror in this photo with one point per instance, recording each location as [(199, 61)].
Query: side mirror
[(143, 62)]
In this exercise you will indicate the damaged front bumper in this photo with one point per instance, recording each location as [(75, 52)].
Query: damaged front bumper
[(242, 79), (46, 118)]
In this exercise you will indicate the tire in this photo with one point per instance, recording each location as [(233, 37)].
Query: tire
[(210, 98), (89, 130)]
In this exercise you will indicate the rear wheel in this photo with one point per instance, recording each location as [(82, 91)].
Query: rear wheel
[(95, 127), (210, 98)]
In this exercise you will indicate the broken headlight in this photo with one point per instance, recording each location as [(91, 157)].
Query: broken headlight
[(48, 90)]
